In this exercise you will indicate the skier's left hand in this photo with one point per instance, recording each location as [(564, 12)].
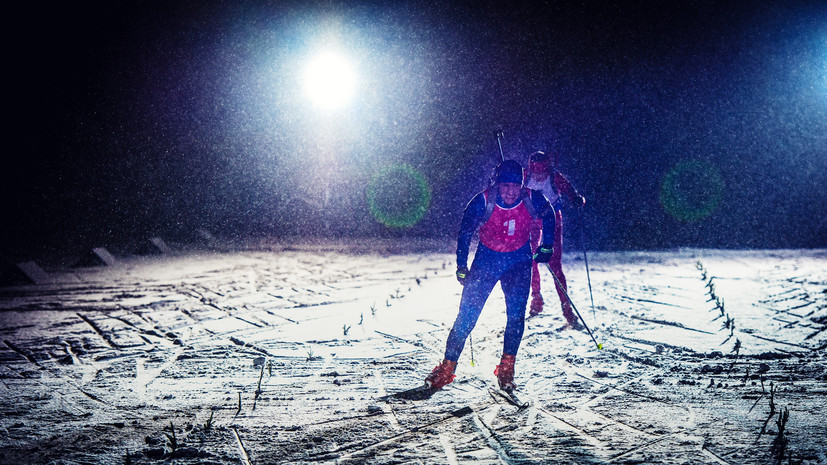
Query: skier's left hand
[(543, 254), (462, 274)]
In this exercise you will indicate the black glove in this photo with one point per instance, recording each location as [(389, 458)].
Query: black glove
[(543, 254), (462, 274)]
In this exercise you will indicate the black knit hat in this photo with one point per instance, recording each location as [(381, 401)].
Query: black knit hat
[(509, 171)]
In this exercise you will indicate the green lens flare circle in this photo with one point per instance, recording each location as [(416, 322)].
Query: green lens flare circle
[(398, 196), (691, 190)]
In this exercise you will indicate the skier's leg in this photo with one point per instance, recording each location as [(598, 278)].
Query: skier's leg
[(476, 291), (515, 286), (556, 264)]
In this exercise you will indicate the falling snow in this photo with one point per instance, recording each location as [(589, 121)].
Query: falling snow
[(697, 132)]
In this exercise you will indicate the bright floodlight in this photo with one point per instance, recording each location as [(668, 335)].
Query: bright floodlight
[(329, 80)]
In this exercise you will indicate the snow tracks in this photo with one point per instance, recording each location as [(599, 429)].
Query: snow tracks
[(283, 355)]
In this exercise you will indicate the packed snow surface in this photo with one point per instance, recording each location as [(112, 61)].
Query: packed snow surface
[(285, 353)]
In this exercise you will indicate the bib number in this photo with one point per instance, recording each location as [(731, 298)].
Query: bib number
[(512, 226)]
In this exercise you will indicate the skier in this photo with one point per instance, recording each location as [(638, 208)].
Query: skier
[(503, 213), (544, 177)]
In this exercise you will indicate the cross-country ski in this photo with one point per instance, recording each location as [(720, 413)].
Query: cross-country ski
[(510, 396), (417, 393)]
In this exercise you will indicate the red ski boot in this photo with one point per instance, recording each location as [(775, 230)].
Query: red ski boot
[(441, 375), (505, 372)]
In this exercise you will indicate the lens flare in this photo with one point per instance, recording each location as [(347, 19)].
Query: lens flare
[(691, 190), (398, 196)]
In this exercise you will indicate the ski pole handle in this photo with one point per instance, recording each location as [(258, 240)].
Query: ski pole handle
[(499, 135)]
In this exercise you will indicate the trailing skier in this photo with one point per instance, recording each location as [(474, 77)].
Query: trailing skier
[(503, 214), (544, 177)]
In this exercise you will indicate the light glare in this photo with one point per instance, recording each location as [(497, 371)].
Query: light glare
[(330, 80)]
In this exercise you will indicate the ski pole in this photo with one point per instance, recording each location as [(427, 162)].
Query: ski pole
[(586, 260), (560, 286), (471, 340), (499, 135)]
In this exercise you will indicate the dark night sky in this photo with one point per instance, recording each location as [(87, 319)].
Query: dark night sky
[(136, 118)]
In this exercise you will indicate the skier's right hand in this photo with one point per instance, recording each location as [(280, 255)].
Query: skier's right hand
[(462, 274)]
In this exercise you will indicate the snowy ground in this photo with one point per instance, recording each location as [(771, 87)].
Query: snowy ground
[(279, 354)]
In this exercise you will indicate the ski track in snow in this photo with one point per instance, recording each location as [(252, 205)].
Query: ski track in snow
[(277, 354)]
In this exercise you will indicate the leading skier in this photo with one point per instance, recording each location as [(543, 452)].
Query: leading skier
[(503, 214)]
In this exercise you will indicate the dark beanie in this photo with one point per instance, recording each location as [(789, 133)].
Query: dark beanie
[(509, 171)]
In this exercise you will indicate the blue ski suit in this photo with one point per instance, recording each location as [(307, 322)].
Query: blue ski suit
[(512, 268)]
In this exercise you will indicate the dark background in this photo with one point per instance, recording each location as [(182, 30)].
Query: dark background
[(134, 118)]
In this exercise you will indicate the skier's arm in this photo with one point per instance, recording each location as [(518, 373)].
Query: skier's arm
[(545, 212), (471, 217), (566, 187)]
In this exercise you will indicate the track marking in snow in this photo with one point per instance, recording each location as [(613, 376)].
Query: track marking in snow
[(623, 425), (492, 438), (713, 455), (89, 374), (56, 374), (364, 448), (143, 377), (52, 390), (638, 447), (382, 392), (247, 321), (99, 331), (143, 332), (686, 441), (531, 420), (646, 342), (690, 417), (784, 342), (565, 425), (626, 391), (23, 353), (241, 343), (406, 341), (340, 419), (649, 301), (668, 323), (773, 297), (281, 316), (492, 414), (689, 410), (450, 454)]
